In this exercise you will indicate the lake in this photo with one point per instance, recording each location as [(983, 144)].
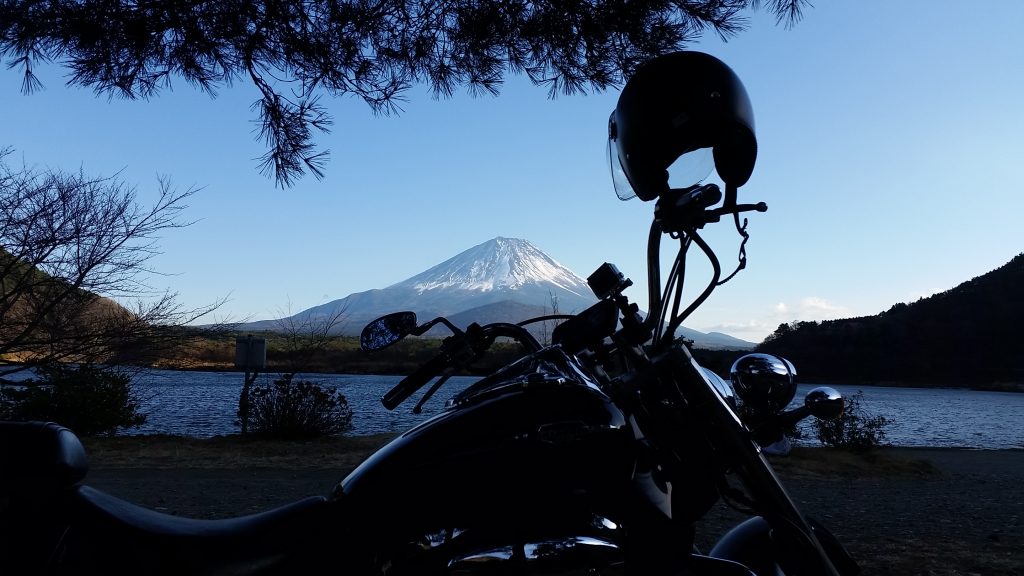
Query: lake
[(203, 404)]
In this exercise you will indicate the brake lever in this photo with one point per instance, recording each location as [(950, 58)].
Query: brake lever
[(426, 396), (716, 214), (461, 349)]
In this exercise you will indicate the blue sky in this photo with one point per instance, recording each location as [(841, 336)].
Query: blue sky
[(891, 140)]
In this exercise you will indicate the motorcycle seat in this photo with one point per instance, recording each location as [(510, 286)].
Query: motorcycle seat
[(113, 512), (130, 536), (39, 457)]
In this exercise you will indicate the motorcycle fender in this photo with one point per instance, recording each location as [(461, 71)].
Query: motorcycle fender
[(750, 544)]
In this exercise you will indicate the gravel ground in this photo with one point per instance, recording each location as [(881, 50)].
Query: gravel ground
[(947, 512), (900, 511)]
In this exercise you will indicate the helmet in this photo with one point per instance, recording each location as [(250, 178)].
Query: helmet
[(764, 382), (683, 105)]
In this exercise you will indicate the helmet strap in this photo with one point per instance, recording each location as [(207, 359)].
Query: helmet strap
[(731, 193)]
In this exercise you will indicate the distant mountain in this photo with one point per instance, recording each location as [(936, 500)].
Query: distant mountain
[(966, 336), (718, 341), (503, 279), (48, 318)]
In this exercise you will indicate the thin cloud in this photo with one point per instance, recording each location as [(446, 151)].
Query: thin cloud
[(807, 309), (754, 330), (814, 308)]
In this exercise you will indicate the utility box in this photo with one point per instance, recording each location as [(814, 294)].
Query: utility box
[(251, 353)]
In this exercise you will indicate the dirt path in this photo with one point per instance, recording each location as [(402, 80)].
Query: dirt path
[(907, 511), (948, 512)]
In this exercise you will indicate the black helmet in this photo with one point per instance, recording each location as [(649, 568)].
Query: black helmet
[(764, 382), (677, 104)]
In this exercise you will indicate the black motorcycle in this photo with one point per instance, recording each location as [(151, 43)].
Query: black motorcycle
[(595, 454)]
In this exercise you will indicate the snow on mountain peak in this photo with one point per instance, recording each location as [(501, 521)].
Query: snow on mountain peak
[(500, 263)]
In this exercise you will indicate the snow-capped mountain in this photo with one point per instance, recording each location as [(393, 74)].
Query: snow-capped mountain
[(503, 279), (497, 270), (501, 263)]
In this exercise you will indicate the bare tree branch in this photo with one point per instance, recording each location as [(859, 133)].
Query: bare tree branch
[(69, 244), (307, 333), (371, 49)]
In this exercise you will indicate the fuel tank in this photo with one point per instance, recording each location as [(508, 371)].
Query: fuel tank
[(536, 441)]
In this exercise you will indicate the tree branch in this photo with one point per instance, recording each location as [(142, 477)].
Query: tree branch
[(372, 49)]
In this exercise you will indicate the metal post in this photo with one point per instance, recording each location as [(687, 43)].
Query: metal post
[(250, 355)]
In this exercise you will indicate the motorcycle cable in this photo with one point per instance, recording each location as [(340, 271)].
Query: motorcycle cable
[(680, 213), (545, 319), (685, 228), (663, 302), (677, 320), (654, 280), (680, 276), (729, 207), (658, 300), (676, 279)]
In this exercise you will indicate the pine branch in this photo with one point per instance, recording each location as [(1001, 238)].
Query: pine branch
[(372, 49)]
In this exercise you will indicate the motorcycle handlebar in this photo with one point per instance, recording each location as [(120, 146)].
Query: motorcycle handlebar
[(790, 418), (415, 381), (456, 349), (517, 332)]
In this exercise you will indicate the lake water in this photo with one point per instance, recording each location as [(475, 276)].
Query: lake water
[(203, 404)]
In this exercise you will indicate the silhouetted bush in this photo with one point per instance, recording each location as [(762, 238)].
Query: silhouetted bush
[(297, 409), (87, 399), (854, 430)]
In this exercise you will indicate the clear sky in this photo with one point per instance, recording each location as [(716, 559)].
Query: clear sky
[(891, 140)]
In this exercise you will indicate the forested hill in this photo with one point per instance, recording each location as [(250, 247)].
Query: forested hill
[(967, 336)]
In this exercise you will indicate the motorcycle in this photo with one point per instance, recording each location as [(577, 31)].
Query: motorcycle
[(594, 454)]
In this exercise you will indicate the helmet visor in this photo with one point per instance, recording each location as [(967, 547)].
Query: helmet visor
[(623, 189), (688, 170), (691, 168)]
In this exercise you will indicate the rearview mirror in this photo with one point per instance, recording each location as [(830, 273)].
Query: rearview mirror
[(387, 330)]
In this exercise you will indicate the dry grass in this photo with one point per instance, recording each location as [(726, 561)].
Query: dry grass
[(230, 452), (813, 463)]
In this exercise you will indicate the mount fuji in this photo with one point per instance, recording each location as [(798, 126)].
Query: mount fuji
[(502, 279)]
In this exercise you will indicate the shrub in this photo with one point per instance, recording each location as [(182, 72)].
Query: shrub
[(855, 430), (88, 399), (297, 409)]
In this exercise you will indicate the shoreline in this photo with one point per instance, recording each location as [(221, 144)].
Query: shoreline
[(1012, 387), (1009, 387)]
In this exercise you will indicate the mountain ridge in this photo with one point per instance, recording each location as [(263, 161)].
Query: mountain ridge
[(502, 279), (967, 335)]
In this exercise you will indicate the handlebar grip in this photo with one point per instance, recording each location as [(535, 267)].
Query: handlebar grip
[(414, 381)]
